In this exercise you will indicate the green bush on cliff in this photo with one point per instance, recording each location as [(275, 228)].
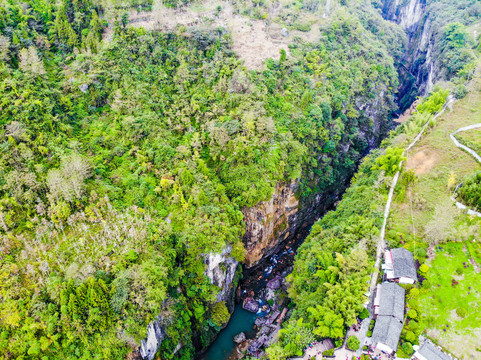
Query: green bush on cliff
[(220, 314), (434, 102), (390, 160)]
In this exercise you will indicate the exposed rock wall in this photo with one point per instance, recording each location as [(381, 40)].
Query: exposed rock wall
[(420, 68), (417, 68), (407, 13), (221, 270), (270, 222), (155, 335)]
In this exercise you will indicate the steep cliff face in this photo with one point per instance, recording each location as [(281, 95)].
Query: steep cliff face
[(417, 68), (408, 13), (429, 56), (270, 222), (221, 270), (155, 335)]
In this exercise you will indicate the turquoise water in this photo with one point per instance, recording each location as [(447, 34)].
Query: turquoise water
[(241, 321)]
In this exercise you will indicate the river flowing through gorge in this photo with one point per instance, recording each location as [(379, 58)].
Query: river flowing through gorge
[(258, 291), (276, 228)]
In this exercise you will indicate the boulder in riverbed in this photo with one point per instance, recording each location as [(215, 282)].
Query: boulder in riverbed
[(275, 283), (250, 304), (239, 338), (257, 344), (260, 321)]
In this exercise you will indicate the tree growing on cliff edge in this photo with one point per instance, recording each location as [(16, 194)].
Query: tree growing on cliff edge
[(220, 314), (389, 162)]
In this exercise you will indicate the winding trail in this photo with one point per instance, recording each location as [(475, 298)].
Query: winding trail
[(382, 241), (470, 151), (382, 238)]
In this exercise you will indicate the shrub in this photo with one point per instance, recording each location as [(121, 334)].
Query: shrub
[(460, 91), (353, 342), (329, 352), (412, 314), (461, 312), (470, 192), (434, 102), (407, 348), (220, 314), (413, 326), (424, 268), (421, 253), (364, 314), (414, 293), (389, 161), (410, 336)]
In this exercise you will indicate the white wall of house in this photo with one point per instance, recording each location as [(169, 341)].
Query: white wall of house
[(405, 280), (384, 347), (418, 356)]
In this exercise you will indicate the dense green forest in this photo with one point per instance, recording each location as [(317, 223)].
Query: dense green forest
[(128, 156), (333, 266), (124, 162)]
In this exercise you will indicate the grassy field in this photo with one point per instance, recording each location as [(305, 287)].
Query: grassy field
[(425, 220), (454, 285), (471, 139)]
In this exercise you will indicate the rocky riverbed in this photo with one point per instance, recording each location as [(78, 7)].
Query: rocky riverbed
[(271, 305)]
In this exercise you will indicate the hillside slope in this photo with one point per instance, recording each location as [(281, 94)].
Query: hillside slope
[(128, 166), (425, 219)]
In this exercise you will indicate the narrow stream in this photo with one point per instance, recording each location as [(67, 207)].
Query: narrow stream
[(223, 348)]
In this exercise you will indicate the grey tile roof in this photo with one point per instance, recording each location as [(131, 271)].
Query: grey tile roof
[(431, 352), (403, 263), (387, 331), (392, 301)]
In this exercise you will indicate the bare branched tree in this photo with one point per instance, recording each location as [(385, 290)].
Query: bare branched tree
[(68, 182), (15, 129), (440, 228), (4, 46), (29, 61)]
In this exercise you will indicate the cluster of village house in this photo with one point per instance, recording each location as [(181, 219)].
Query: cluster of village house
[(399, 268)]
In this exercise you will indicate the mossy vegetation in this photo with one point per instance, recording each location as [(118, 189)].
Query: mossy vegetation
[(125, 162)]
